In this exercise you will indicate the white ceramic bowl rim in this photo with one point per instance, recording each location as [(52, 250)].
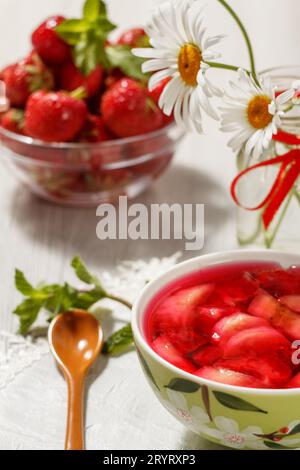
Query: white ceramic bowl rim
[(188, 267)]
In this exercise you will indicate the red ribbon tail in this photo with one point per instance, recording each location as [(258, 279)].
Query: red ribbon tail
[(282, 192)]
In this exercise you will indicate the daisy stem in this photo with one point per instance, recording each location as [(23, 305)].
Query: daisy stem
[(217, 65), (245, 34)]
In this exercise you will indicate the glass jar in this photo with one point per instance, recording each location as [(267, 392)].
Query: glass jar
[(281, 230)]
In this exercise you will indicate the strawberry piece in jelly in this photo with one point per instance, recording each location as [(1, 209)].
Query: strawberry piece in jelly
[(178, 310), (165, 349), (186, 340), (291, 301), (294, 382), (207, 355), (229, 326), (229, 377), (279, 282), (237, 290), (281, 317), (207, 317), (262, 352)]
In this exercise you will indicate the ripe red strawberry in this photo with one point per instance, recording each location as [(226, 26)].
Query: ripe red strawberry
[(13, 121), (26, 77), (50, 47), (71, 78), (128, 111), (135, 37), (94, 130), (54, 117), (113, 77)]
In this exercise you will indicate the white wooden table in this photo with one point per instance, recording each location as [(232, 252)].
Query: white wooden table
[(41, 238)]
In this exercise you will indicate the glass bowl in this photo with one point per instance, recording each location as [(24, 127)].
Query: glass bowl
[(88, 174)]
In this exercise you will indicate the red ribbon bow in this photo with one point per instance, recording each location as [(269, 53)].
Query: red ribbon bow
[(287, 176)]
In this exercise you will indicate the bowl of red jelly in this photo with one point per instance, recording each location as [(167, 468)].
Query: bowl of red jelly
[(218, 338)]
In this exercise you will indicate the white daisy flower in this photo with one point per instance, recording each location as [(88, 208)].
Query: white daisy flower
[(180, 51), (254, 112)]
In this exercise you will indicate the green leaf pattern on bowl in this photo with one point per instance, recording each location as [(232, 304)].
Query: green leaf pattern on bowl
[(206, 412)]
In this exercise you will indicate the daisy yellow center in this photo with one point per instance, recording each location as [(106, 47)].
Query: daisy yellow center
[(258, 112), (189, 63)]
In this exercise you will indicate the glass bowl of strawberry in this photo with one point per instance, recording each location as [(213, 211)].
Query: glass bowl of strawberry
[(218, 339), (69, 155), (84, 133)]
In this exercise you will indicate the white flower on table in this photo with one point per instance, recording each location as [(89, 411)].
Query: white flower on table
[(180, 51), (254, 112)]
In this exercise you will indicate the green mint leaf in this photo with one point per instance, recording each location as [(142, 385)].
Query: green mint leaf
[(73, 26), (119, 341), (88, 36), (56, 298), (82, 272), (60, 299), (27, 312), (85, 300), (85, 57), (102, 8), (91, 10), (70, 38), (104, 26), (22, 284), (89, 53), (121, 57)]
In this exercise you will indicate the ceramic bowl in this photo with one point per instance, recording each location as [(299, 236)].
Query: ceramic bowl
[(236, 417)]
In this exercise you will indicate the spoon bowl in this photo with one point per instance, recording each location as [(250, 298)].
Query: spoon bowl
[(76, 340)]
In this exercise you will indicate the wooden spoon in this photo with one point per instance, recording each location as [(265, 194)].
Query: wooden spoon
[(76, 340)]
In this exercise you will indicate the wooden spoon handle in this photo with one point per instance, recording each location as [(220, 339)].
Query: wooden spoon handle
[(74, 434)]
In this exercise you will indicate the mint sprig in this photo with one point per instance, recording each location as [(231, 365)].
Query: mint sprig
[(119, 341), (55, 299), (88, 36), (121, 57)]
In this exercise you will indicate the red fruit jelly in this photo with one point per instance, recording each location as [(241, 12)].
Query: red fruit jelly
[(233, 323)]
